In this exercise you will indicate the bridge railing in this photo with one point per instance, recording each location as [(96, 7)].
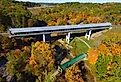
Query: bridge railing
[(21, 32)]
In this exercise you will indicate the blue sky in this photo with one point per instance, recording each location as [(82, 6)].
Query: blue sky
[(61, 1)]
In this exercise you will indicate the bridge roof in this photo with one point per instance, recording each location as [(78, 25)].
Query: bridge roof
[(54, 28)]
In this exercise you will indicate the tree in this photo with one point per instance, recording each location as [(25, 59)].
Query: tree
[(16, 64), (16, 12), (73, 74), (41, 62)]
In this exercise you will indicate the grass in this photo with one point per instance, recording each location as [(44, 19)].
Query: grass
[(79, 46)]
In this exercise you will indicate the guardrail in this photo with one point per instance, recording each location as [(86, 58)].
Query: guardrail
[(22, 32)]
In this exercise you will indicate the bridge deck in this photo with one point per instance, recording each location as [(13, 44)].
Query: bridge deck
[(58, 28)]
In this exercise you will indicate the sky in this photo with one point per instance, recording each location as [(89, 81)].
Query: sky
[(62, 1)]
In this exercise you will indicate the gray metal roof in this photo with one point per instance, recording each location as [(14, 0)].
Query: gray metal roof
[(54, 28)]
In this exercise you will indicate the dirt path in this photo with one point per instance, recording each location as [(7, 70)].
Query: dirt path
[(98, 34), (91, 77)]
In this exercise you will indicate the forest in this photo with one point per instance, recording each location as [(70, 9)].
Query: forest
[(32, 60)]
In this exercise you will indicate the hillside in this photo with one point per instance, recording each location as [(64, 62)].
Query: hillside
[(29, 59), (75, 13)]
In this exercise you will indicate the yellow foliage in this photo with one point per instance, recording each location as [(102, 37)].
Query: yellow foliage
[(73, 74), (51, 23), (41, 60), (43, 49), (112, 49), (109, 66), (103, 49), (111, 43)]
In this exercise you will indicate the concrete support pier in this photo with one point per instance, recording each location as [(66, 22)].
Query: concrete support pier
[(44, 37), (88, 34), (68, 37)]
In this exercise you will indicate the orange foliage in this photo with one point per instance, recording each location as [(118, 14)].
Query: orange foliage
[(32, 61), (93, 19), (92, 56), (103, 49), (115, 49), (112, 49), (84, 16), (17, 53), (26, 48)]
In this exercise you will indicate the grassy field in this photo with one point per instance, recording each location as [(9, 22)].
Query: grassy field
[(79, 46)]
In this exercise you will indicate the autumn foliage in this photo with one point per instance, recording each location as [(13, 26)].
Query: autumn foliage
[(92, 56), (109, 46), (41, 61), (113, 49), (108, 63), (73, 74)]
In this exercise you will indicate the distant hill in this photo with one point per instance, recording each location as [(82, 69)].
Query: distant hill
[(32, 4), (76, 13)]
